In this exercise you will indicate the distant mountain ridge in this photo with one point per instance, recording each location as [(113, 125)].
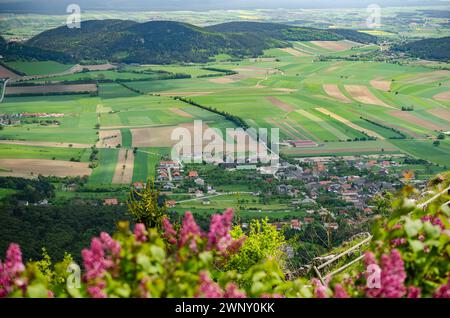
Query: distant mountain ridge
[(163, 42)]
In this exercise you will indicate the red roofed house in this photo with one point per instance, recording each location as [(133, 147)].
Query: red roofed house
[(296, 225), (171, 203), (308, 220), (111, 202), (193, 174)]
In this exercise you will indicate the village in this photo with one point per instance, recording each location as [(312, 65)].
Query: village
[(327, 191)]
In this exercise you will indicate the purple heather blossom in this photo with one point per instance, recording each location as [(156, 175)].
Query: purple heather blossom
[(140, 234)]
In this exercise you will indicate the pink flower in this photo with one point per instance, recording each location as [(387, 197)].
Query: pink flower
[(96, 292), (320, 291), (94, 260), (413, 292), (265, 295), (392, 276), (169, 233), (339, 291), (13, 262), (219, 231), (189, 232), (231, 291), (102, 256), (140, 234), (110, 244), (208, 288), (11, 270), (235, 245), (443, 291), (434, 220), (398, 242)]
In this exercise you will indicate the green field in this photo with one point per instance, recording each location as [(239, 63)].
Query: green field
[(281, 91), (39, 68)]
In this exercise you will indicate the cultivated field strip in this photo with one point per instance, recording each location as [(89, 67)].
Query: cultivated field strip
[(50, 89), (381, 84), (363, 95), (123, 173), (45, 144), (350, 124), (294, 52), (334, 91), (323, 124), (29, 168), (445, 96), (407, 116), (441, 113), (109, 138)]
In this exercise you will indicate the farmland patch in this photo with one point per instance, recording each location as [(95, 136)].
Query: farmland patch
[(28, 168), (334, 91), (349, 123), (363, 95)]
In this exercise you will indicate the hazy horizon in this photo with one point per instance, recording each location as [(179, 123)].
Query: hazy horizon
[(59, 6)]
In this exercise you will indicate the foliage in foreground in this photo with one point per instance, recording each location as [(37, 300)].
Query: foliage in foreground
[(409, 257)]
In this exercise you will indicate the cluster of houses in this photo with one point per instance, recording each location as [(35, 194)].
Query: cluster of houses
[(14, 119), (169, 171), (298, 225)]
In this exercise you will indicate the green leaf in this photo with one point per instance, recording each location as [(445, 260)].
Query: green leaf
[(412, 227), (158, 253), (433, 231), (37, 291), (416, 245)]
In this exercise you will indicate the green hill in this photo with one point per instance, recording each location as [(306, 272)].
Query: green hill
[(430, 49), (291, 33), (157, 42), (164, 42)]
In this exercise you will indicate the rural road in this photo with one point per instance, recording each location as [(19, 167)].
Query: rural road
[(4, 89), (212, 196)]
